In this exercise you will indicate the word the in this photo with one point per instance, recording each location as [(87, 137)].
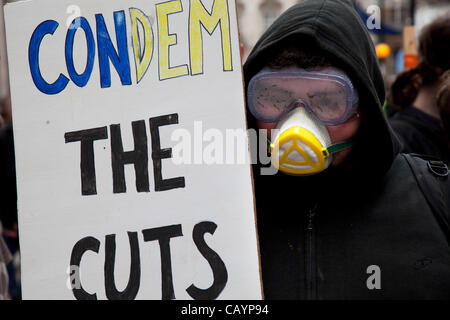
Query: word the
[(119, 158)]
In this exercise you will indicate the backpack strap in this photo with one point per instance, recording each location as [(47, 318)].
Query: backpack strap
[(432, 176)]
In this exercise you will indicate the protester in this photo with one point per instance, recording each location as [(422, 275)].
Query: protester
[(344, 217), (419, 124)]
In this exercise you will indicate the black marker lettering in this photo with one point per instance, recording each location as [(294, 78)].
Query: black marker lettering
[(163, 235), (134, 280), (158, 154), (218, 267), (85, 244), (87, 163), (138, 157)]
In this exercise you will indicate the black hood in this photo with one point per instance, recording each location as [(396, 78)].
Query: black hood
[(334, 27)]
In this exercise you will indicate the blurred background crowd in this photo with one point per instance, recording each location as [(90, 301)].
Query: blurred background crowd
[(414, 58)]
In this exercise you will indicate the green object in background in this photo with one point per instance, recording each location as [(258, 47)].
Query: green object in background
[(385, 106)]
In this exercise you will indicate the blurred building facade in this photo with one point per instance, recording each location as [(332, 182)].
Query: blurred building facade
[(396, 14), (255, 16)]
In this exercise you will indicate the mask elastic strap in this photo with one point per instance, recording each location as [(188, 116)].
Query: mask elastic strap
[(326, 152), (338, 147)]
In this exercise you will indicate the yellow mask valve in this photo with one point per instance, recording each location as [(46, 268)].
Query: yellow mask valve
[(297, 151)]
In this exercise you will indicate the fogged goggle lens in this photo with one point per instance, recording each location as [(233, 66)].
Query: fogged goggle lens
[(328, 94)]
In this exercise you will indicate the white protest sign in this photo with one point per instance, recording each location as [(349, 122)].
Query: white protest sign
[(100, 89)]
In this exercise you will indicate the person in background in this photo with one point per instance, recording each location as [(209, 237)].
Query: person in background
[(419, 123), (8, 193), (5, 112), (344, 217), (8, 205), (443, 101), (5, 259)]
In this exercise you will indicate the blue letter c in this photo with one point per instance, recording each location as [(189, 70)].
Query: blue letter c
[(46, 27)]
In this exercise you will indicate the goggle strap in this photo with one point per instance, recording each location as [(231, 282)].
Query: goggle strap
[(338, 147)]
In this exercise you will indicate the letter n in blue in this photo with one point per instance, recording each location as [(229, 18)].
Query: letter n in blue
[(106, 50)]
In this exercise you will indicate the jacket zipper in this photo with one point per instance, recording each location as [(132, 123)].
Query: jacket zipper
[(310, 256)]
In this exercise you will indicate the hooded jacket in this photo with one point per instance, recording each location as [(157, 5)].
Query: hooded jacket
[(361, 233)]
